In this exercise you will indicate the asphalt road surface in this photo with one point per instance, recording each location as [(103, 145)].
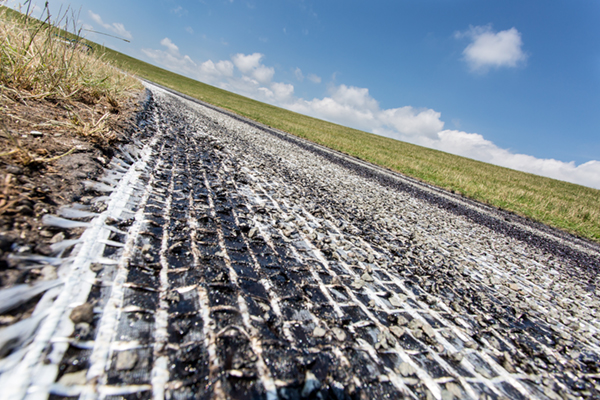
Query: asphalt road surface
[(224, 259)]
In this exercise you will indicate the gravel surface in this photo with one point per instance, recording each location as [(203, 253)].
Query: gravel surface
[(230, 260)]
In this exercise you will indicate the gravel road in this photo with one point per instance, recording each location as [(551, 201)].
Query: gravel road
[(224, 259)]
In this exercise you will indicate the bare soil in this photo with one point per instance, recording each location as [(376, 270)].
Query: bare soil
[(49, 148)]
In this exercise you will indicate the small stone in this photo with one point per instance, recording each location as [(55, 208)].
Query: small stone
[(415, 324), (457, 357), (252, 232), (471, 344), (339, 334), (59, 237), (397, 331), (401, 321), (126, 360), (319, 332), (74, 378), (405, 369), (46, 234), (146, 248), (428, 330), (366, 277), (358, 284), (396, 302), (36, 133), (575, 354), (83, 313)]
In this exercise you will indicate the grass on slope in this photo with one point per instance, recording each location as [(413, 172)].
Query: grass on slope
[(567, 206), (39, 60)]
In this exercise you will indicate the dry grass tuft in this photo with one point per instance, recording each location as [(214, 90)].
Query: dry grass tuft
[(41, 61)]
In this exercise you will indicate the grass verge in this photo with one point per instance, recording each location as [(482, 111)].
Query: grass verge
[(570, 207), (41, 62)]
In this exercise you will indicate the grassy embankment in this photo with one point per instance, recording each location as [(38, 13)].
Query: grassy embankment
[(570, 207), (39, 62)]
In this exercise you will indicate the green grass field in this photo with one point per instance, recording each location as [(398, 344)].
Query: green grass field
[(566, 206)]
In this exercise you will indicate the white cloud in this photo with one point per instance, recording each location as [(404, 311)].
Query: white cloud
[(173, 62), (490, 49), (412, 122), (346, 105), (263, 74), (250, 65), (355, 107), (115, 27), (189, 30), (314, 78), (173, 49), (299, 75), (282, 91), (246, 63), (216, 70), (477, 147), (172, 59)]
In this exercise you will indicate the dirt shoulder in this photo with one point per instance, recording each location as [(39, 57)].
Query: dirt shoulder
[(48, 149)]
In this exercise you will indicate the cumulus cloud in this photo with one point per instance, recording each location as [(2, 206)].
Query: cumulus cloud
[(221, 68), (489, 49), (412, 122), (172, 59), (115, 27), (246, 63), (250, 65), (355, 107), (173, 49), (475, 146)]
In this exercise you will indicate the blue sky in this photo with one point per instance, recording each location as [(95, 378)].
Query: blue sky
[(514, 83)]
